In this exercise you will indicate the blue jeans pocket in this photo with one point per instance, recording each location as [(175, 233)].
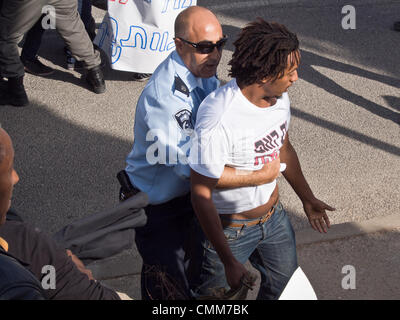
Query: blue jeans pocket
[(232, 233)]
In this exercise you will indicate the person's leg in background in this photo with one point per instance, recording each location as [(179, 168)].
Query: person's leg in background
[(16, 18), (30, 49), (85, 11), (72, 30)]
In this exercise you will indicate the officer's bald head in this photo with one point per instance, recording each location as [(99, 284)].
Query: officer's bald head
[(198, 25), (194, 20)]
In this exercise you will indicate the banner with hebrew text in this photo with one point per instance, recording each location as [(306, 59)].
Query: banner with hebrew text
[(137, 35)]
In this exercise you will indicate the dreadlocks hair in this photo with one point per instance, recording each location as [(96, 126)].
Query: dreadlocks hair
[(262, 51)]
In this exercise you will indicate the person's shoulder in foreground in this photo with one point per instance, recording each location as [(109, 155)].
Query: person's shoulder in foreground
[(24, 251), (16, 282), (36, 250)]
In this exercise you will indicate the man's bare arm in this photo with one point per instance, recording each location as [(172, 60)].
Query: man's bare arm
[(314, 208), (207, 214)]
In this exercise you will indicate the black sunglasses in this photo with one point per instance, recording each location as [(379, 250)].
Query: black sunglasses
[(205, 47)]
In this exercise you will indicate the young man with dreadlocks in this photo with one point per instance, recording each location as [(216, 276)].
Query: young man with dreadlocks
[(244, 125)]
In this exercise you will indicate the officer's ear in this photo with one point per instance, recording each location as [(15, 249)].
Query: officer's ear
[(179, 45)]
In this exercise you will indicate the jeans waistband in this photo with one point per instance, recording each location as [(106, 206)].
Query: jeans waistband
[(226, 222)]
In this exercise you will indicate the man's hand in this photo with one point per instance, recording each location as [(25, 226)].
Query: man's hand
[(234, 273), (315, 211), (314, 208)]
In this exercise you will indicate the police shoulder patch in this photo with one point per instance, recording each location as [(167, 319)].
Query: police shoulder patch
[(184, 119), (180, 86)]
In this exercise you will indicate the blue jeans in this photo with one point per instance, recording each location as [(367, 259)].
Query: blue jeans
[(270, 247)]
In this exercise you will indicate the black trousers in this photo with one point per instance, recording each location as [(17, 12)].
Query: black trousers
[(167, 249)]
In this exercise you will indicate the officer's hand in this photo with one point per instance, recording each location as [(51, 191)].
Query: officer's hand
[(270, 171)]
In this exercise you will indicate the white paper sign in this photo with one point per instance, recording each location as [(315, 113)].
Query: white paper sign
[(298, 288), (137, 35)]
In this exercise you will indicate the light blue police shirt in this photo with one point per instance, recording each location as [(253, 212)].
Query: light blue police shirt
[(164, 120)]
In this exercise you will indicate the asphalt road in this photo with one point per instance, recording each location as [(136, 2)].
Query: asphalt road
[(70, 142)]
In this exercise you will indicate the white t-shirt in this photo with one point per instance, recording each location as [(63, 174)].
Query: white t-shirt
[(232, 131)]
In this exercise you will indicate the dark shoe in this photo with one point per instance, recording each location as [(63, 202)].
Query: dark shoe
[(37, 68), (95, 79), (141, 77), (15, 94), (396, 26)]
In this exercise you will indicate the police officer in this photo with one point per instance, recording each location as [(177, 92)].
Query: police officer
[(17, 17), (164, 122)]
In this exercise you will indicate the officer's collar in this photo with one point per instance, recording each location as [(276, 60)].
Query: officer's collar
[(186, 76)]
